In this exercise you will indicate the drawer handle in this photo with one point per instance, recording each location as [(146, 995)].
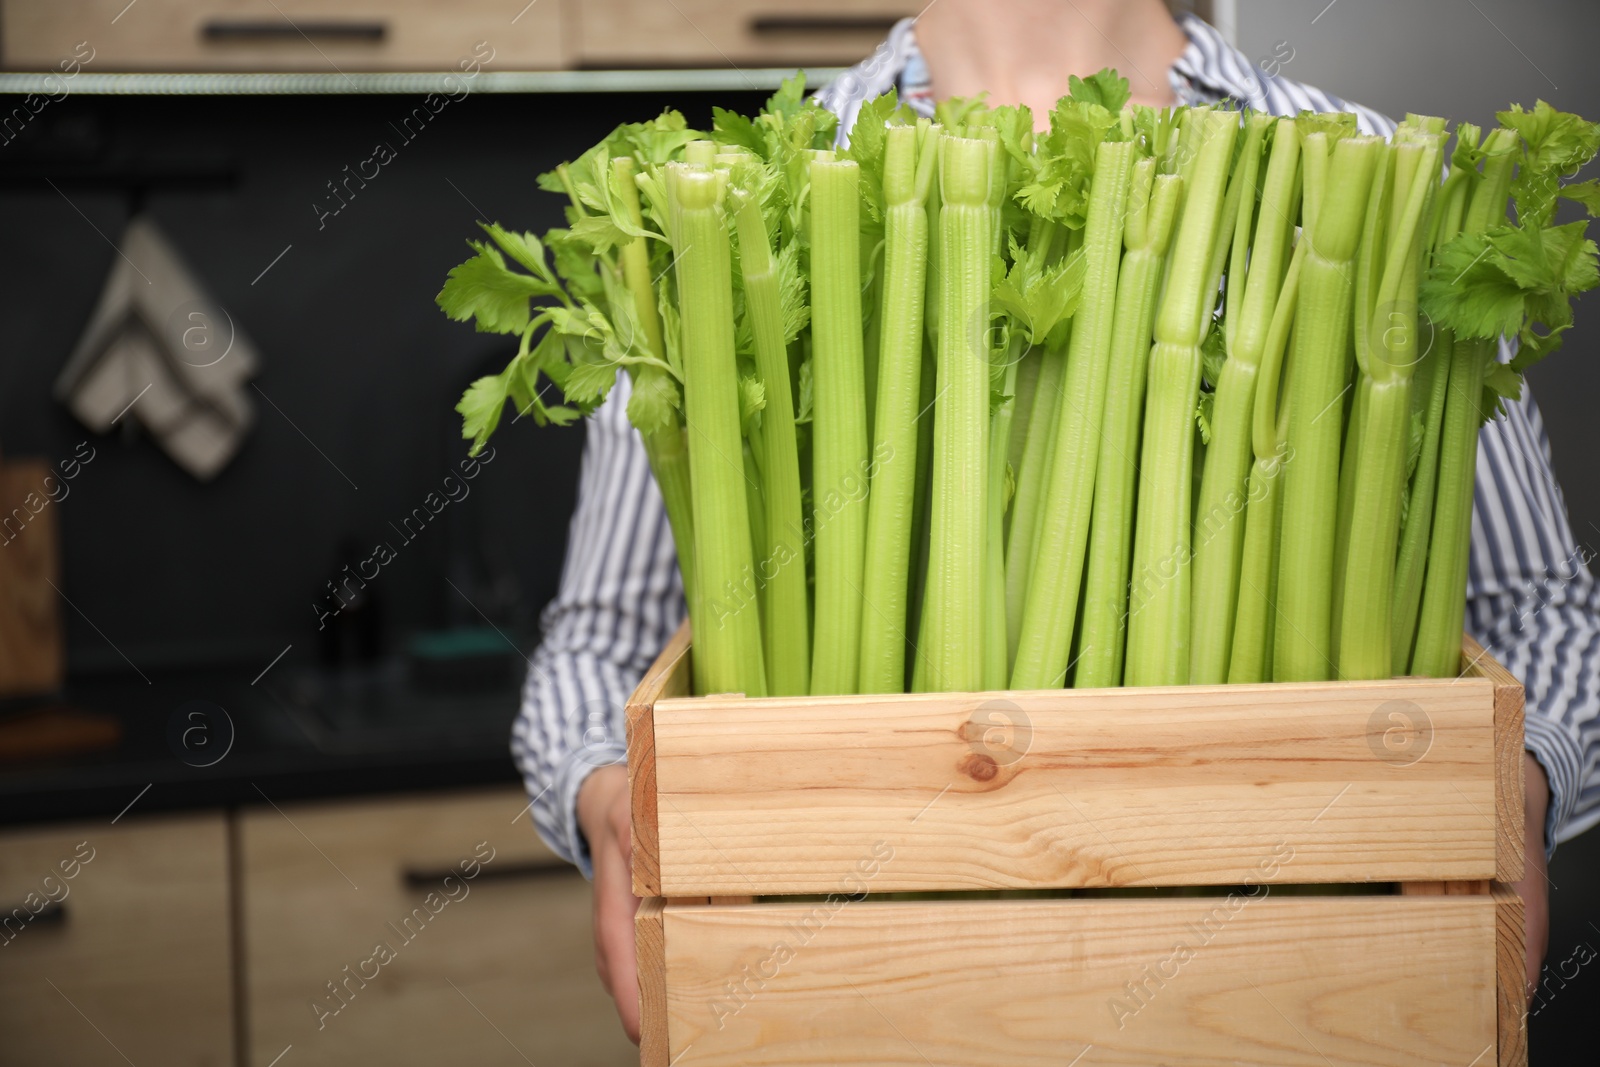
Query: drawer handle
[(234, 30), (778, 25), (54, 913)]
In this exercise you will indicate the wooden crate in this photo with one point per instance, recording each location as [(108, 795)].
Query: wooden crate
[(1410, 788)]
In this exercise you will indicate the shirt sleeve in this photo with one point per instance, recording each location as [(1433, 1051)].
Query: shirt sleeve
[(1533, 604), (620, 599)]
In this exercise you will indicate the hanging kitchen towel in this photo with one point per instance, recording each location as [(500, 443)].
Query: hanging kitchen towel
[(159, 349)]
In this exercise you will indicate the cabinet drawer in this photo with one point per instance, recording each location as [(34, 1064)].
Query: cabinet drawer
[(507, 949), (138, 955), (309, 35), (715, 33)]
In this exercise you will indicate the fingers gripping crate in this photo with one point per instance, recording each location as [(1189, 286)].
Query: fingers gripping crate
[(1408, 790)]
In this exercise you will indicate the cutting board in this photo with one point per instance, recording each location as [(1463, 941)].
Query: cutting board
[(31, 653)]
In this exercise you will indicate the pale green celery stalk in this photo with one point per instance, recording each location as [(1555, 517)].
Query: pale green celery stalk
[(728, 640), (1158, 603), (780, 553), (1027, 384), (839, 425), (1370, 256), (1439, 626), (950, 648), (756, 508), (1018, 372), (1359, 391), (922, 508), (1251, 655), (1152, 207), (667, 449), (1365, 640), (1028, 503), (995, 654), (995, 658), (1037, 450), (935, 203), (1252, 295), (700, 153), (1337, 191), (1412, 558), (908, 172), (1051, 603)]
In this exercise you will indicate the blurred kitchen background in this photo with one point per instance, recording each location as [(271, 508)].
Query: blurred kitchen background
[(268, 762)]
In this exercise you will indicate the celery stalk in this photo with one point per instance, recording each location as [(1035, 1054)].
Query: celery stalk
[(909, 160), (728, 641), (1336, 191), (780, 554), (949, 648), (1365, 645), (1158, 607), (1028, 503), (1252, 292), (666, 449), (1438, 650), (1153, 204), (1415, 532), (1251, 655), (839, 442), (1062, 537)]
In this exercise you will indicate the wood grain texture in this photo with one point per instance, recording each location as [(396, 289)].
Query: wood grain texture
[(1510, 795), (1363, 781), (32, 656), (1376, 981), (719, 32), (1479, 887), (1511, 994), (473, 963), (650, 943), (667, 677), (169, 35), (142, 947)]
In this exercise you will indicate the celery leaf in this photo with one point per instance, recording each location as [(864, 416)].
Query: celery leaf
[(1106, 88), (491, 294)]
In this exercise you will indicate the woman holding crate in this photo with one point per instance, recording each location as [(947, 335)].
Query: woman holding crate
[(621, 597)]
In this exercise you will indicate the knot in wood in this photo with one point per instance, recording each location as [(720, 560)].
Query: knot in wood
[(979, 767)]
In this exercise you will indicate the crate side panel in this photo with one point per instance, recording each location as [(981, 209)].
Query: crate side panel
[(1193, 982), (1382, 781)]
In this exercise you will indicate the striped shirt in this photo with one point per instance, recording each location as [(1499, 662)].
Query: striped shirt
[(1530, 597)]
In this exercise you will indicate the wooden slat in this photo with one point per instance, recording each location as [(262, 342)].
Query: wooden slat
[(1479, 887), (1173, 786), (1511, 995), (667, 677), (650, 943), (1510, 828), (1379, 981)]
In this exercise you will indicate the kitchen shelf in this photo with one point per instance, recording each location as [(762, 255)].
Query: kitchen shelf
[(728, 79)]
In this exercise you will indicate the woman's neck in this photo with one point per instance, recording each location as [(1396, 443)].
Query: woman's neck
[(1022, 51)]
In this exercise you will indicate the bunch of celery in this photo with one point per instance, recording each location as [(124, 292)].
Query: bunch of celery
[(1136, 397)]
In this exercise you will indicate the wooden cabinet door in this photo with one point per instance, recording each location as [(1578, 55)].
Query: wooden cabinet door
[(134, 962), (304, 35), (366, 941), (722, 33)]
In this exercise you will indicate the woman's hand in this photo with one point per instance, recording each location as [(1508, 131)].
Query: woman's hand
[(603, 816), (1534, 888)]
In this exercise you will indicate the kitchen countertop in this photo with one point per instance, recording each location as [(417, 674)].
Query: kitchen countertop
[(209, 737)]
